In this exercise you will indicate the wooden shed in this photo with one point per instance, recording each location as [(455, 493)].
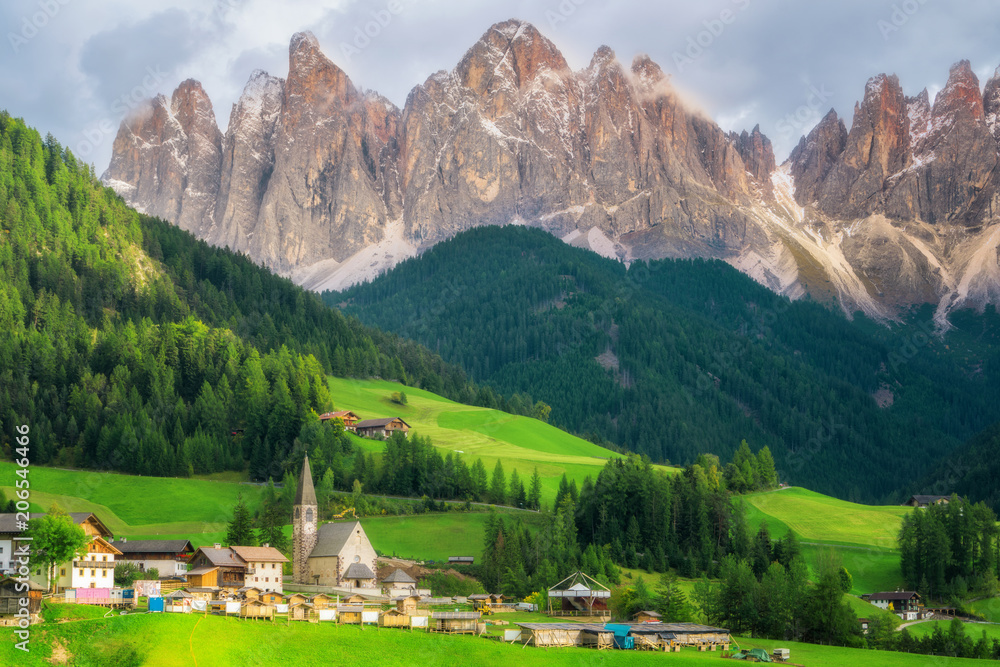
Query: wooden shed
[(562, 634), (350, 614), (256, 609), (407, 604), (203, 577), (596, 637), (10, 600), (202, 593), (272, 598), (455, 622), (354, 599), (297, 598), (394, 618), (322, 601), (250, 592), (301, 611), (665, 635), (647, 617)]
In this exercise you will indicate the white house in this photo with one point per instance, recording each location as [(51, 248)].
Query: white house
[(168, 557), (905, 604), (93, 569), (264, 567)]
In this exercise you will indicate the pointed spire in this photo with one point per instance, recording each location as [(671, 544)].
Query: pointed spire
[(306, 494)]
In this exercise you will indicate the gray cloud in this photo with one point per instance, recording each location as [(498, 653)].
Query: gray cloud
[(779, 63)]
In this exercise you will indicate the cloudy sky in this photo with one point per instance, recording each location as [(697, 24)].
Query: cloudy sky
[(75, 67)]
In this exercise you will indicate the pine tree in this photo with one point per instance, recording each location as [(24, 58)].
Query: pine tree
[(517, 496), (240, 529), (498, 485), (535, 493)]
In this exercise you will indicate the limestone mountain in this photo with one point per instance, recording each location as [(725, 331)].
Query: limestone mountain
[(331, 185)]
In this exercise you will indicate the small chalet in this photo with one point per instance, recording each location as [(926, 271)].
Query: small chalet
[(249, 592), (272, 598), (231, 569), (168, 557), (925, 501), (647, 617), (263, 566), (322, 601), (11, 593), (905, 604), (461, 560), (349, 418), (381, 428)]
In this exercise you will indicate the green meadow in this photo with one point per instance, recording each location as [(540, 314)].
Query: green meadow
[(520, 443), (176, 640), (861, 537), (973, 630)]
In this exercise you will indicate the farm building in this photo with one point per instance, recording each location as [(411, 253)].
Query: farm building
[(925, 501), (12, 592), (168, 557), (350, 614), (407, 603), (461, 560), (256, 609), (334, 554), (232, 568), (455, 622), (354, 599), (381, 428), (905, 604), (300, 611), (272, 598), (297, 598), (249, 592), (646, 617), (263, 566), (321, 601), (203, 577), (658, 636), (394, 618), (201, 592), (349, 418), (579, 595)]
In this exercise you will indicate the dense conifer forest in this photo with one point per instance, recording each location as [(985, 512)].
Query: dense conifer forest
[(674, 358)]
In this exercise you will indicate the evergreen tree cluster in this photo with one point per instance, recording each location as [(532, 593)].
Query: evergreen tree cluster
[(129, 345), (674, 358), (950, 549)]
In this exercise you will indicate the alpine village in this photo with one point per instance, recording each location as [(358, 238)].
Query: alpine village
[(551, 365)]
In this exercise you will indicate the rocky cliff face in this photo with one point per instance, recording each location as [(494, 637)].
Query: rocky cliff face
[(330, 184)]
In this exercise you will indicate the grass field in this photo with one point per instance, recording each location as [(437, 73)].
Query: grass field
[(175, 640), (862, 537), (988, 609), (973, 630), (519, 443)]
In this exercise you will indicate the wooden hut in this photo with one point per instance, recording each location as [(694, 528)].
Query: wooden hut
[(647, 617), (455, 622), (250, 592), (256, 609), (597, 637), (350, 614), (562, 634), (407, 604), (272, 598), (300, 611), (297, 598), (354, 599), (178, 602), (321, 601), (579, 595), (202, 592), (668, 635), (394, 618), (10, 600)]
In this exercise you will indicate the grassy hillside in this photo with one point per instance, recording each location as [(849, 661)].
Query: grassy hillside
[(519, 443), (177, 640), (863, 537)]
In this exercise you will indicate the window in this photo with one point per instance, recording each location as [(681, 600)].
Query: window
[(105, 559), (62, 572), (309, 515), (93, 573), (81, 573), (93, 585), (104, 573)]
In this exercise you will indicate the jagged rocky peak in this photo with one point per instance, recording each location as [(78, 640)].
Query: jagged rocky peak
[(192, 108), (991, 102), (314, 77), (756, 151), (648, 75), (816, 154), (960, 98), (511, 53)]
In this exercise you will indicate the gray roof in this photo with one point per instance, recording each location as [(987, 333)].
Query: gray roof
[(399, 577), (331, 538), (456, 615), (358, 571), (153, 546), (305, 494), (376, 423), (222, 557), (179, 594), (635, 628), (894, 595)]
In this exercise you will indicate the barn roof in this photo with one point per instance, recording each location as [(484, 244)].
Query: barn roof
[(456, 615), (895, 595), (358, 571), (926, 500), (331, 538), (221, 557), (260, 554), (339, 414), (178, 594), (153, 546), (375, 423), (399, 577)]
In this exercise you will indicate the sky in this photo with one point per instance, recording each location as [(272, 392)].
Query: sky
[(76, 67)]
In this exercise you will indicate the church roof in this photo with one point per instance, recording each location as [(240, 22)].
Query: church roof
[(332, 537), (358, 571), (305, 494), (399, 577)]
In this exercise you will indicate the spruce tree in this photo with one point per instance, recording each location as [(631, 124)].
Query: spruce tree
[(240, 530)]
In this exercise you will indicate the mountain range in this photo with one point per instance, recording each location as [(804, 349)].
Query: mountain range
[(331, 185)]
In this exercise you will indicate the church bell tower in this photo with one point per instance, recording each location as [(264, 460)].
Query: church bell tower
[(305, 520)]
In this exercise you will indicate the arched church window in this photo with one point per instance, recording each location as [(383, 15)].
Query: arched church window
[(309, 515)]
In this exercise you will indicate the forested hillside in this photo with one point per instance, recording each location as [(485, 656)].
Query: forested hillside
[(129, 345), (675, 358)]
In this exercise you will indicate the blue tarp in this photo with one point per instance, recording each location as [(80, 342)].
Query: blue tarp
[(156, 604), (622, 638)]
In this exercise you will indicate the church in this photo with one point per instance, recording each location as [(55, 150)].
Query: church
[(334, 554)]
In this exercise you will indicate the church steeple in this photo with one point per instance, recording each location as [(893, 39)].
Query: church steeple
[(305, 523)]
